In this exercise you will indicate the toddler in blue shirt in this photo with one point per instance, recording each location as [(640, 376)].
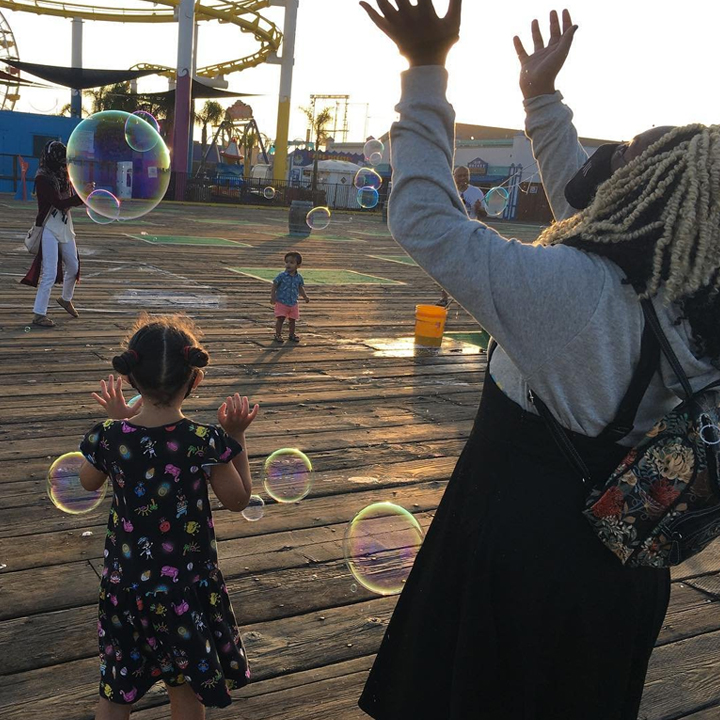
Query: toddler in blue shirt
[(284, 296)]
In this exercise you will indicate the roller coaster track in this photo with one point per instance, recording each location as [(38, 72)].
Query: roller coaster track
[(245, 14)]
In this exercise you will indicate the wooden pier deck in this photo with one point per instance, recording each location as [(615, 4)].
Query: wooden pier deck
[(378, 422)]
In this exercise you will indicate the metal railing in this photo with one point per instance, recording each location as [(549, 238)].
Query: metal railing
[(254, 191)]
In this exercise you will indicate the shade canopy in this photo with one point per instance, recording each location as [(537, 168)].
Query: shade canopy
[(78, 78), (8, 79), (200, 91)]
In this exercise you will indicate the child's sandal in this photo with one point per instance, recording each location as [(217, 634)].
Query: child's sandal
[(277, 338), (294, 338)]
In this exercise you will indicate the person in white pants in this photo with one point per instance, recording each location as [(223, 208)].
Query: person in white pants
[(51, 247), (55, 197)]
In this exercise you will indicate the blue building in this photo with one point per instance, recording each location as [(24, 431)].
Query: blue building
[(25, 135)]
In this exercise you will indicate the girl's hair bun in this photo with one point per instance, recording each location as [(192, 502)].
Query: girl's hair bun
[(125, 363), (196, 357)]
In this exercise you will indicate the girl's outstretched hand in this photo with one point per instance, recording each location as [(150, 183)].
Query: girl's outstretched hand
[(234, 415), (421, 36), (539, 70), (111, 398)]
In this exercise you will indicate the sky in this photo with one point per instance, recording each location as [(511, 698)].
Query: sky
[(633, 64)]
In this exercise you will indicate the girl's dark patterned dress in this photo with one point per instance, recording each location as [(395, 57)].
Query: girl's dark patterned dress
[(164, 610)]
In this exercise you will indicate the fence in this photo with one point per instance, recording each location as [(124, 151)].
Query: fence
[(254, 191), (10, 175)]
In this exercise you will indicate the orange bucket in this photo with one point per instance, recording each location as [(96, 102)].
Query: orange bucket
[(429, 325)]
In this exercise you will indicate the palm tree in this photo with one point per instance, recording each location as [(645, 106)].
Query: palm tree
[(119, 97), (212, 113), (319, 127)]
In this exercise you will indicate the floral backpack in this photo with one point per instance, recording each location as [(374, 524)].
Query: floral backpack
[(661, 505)]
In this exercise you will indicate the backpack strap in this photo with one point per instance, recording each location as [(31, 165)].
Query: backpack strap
[(623, 423), (651, 319), (624, 420)]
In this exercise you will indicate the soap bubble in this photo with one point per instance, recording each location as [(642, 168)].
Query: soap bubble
[(269, 193), (371, 148), (368, 197), (64, 488), (102, 207), (140, 132), (255, 509), (148, 118), (288, 475), (375, 159), (100, 157), (133, 400), (496, 200), (380, 546), (367, 177), (318, 218), (27, 328)]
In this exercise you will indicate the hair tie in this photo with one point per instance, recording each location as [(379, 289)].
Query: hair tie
[(186, 352), (136, 357)]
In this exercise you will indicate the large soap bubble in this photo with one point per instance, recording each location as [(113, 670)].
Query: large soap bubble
[(288, 475), (64, 488), (123, 155), (380, 546)]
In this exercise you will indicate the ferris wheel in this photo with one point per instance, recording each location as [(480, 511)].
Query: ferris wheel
[(9, 91)]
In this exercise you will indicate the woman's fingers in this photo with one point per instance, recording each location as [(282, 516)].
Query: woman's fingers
[(520, 50), (567, 20), (538, 42), (454, 11), (554, 28)]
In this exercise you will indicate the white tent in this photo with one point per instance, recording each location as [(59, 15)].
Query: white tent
[(337, 178)]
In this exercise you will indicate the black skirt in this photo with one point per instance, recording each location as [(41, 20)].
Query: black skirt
[(514, 610)]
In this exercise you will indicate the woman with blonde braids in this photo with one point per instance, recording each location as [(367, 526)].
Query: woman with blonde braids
[(514, 609)]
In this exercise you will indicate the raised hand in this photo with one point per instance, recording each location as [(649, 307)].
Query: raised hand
[(111, 398), (421, 36), (539, 70), (234, 415)]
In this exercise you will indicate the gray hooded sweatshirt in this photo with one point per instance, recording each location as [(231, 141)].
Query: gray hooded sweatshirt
[(566, 325)]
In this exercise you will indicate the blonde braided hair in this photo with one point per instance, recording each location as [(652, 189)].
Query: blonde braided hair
[(658, 218), (670, 193)]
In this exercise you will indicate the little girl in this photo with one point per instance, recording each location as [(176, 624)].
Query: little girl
[(284, 296), (164, 611)]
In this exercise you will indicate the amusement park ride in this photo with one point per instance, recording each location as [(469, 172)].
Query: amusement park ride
[(244, 14), (9, 90)]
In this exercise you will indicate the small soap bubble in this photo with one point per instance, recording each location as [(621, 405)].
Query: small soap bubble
[(141, 131), (64, 488), (496, 200), (87, 533), (27, 328), (353, 588), (367, 177), (288, 475), (380, 546), (368, 198), (269, 193), (373, 147), (133, 400), (255, 509), (102, 207), (375, 159), (148, 118), (106, 151), (318, 218)]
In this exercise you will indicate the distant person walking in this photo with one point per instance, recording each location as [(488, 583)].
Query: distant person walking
[(515, 609), (57, 258)]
